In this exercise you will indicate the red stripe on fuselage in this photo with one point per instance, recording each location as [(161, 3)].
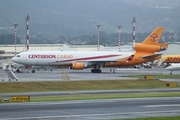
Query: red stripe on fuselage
[(89, 58)]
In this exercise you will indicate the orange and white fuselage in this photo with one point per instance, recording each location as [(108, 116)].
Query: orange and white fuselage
[(143, 52), (40, 58)]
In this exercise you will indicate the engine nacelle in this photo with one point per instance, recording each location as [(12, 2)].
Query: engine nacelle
[(149, 48), (78, 65)]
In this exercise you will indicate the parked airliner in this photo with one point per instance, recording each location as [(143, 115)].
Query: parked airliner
[(77, 60), (143, 52), (173, 67)]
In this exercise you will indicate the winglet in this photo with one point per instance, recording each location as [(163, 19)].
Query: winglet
[(154, 37)]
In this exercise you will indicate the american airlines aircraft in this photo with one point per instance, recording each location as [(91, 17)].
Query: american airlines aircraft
[(77, 60)]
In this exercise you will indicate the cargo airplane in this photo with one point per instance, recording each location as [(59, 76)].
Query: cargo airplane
[(173, 67), (171, 58), (173, 62), (78, 60)]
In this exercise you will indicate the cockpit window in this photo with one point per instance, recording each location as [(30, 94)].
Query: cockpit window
[(167, 65), (17, 55)]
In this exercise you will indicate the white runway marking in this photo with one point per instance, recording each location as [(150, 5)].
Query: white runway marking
[(167, 105)]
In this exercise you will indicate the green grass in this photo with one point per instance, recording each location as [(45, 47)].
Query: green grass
[(154, 118), (13, 87), (103, 96), (50, 86), (100, 96)]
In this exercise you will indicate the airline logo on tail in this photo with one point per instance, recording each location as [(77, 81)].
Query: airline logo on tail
[(154, 37)]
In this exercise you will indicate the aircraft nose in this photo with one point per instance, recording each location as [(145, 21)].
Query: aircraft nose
[(168, 68), (14, 59)]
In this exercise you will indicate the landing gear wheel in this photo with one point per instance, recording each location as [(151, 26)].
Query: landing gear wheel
[(18, 71), (33, 71), (96, 70), (92, 70)]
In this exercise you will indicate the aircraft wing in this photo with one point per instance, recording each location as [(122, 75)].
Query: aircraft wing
[(122, 60), (126, 59), (151, 56)]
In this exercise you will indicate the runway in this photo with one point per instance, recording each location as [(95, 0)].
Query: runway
[(91, 109), (68, 74)]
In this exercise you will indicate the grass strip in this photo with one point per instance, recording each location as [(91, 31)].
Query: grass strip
[(100, 96), (48, 86), (104, 96)]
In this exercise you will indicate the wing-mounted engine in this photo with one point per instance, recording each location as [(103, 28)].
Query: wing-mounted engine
[(78, 65), (150, 47)]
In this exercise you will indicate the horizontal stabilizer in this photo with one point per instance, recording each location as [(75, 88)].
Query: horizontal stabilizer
[(161, 44), (151, 56)]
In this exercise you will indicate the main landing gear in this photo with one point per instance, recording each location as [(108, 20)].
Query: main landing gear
[(96, 69)]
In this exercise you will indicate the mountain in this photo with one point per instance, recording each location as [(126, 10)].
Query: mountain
[(79, 17)]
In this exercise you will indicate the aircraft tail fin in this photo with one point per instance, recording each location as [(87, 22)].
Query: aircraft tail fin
[(154, 37)]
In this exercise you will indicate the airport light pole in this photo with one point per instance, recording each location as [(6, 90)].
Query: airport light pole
[(15, 25), (98, 26), (27, 31), (119, 27), (133, 33)]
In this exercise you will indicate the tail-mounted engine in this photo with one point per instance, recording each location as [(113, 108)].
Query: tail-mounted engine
[(150, 48)]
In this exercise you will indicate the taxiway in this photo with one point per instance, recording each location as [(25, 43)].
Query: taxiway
[(68, 74)]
